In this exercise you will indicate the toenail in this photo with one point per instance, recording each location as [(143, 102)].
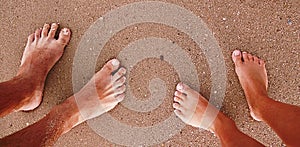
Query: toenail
[(236, 53), (244, 52), (65, 31), (115, 62), (179, 87), (176, 93), (54, 25)]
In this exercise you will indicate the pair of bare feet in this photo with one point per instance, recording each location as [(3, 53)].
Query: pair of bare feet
[(190, 105)]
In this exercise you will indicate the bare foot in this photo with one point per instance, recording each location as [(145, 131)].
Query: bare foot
[(41, 53), (190, 107), (103, 92), (252, 74)]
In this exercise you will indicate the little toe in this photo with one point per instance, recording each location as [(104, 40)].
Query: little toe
[(30, 39), (245, 56), (52, 32), (120, 73), (178, 113), (120, 97), (261, 62), (237, 57), (64, 36), (45, 30), (180, 95)]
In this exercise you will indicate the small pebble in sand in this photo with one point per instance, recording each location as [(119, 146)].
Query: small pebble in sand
[(224, 18), (161, 57), (289, 21), (27, 124)]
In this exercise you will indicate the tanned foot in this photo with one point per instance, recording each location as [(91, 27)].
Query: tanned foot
[(42, 51), (190, 107), (252, 75), (103, 92)]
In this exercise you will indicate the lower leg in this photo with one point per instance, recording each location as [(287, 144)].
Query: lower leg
[(62, 118), (229, 135), (16, 93), (284, 119), (47, 130)]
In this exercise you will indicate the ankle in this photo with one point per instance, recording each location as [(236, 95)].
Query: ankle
[(69, 113), (225, 128), (258, 103), (220, 123), (32, 75), (260, 108)]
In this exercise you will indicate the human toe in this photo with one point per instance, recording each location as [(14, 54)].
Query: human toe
[(111, 66), (256, 60), (250, 57), (37, 34), (180, 95), (245, 56), (52, 32), (45, 30), (261, 62), (120, 97), (185, 89), (178, 113), (64, 36), (120, 82), (237, 57), (120, 90), (177, 106), (120, 73), (30, 39), (178, 100)]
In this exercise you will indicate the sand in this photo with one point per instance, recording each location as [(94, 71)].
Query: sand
[(268, 29)]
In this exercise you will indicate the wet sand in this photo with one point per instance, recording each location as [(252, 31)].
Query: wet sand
[(268, 29)]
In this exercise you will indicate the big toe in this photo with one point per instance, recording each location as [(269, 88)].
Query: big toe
[(64, 36), (112, 65), (181, 87), (237, 57)]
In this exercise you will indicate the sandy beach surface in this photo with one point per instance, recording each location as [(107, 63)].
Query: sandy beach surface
[(269, 29)]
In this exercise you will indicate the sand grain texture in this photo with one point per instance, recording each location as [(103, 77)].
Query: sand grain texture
[(268, 29)]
